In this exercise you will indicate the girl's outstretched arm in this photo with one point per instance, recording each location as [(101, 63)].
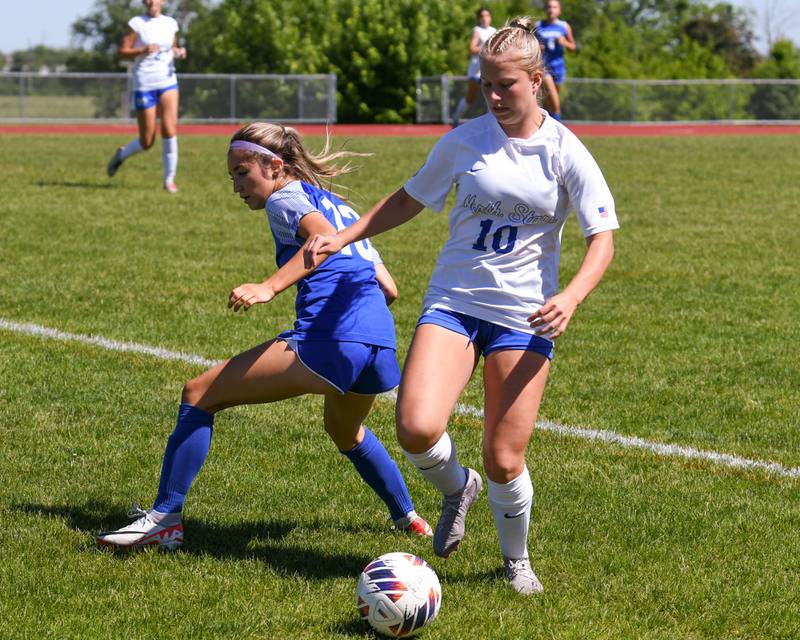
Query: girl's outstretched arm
[(246, 295)]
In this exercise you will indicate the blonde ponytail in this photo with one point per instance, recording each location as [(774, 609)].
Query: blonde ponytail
[(298, 162)]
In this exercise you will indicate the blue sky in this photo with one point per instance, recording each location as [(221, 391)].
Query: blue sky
[(31, 22)]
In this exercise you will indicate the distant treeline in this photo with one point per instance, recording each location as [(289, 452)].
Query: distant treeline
[(378, 47)]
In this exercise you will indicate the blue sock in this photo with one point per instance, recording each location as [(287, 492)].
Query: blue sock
[(186, 452), (380, 472)]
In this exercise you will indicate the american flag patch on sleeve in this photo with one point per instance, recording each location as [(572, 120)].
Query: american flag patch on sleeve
[(603, 212)]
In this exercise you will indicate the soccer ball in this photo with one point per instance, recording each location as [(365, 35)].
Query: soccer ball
[(398, 594)]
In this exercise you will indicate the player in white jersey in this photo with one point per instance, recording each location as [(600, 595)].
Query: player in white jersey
[(494, 291), (480, 34), (152, 42)]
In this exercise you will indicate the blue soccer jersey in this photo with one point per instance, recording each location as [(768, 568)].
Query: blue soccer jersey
[(548, 34), (341, 299)]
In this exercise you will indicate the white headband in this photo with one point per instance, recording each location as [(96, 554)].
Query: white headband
[(252, 146)]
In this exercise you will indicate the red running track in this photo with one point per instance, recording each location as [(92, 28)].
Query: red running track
[(408, 130)]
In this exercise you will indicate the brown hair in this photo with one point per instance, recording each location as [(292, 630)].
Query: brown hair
[(287, 143), (517, 38)]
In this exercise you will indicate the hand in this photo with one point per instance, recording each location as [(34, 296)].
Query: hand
[(562, 41), (180, 53), (246, 295), (552, 318), (320, 244), (152, 48)]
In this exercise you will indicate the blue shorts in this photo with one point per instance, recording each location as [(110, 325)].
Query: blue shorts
[(487, 336), (349, 367), (148, 99), (558, 73)]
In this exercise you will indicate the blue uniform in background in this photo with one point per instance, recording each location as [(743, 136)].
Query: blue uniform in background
[(548, 35), (344, 331)]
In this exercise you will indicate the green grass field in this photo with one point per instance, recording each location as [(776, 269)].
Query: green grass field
[(691, 339)]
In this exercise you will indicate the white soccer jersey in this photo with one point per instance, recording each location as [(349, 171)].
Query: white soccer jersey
[(154, 70), (513, 196), (474, 68)]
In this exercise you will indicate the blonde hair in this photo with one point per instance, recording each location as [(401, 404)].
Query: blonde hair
[(517, 37), (298, 162)]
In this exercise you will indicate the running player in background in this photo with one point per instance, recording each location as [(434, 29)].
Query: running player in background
[(555, 36), (494, 291), (152, 43), (480, 34), (342, 345)]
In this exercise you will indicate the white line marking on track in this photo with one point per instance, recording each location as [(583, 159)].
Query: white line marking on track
[(628, 442)]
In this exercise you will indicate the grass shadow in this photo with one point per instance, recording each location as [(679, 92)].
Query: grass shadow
[(353, 627), (259, 540), (73, 185)]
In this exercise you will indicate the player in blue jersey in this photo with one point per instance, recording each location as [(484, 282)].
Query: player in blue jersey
[(342, 345), (555, 36)]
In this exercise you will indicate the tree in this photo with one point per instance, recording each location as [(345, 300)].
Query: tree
[(778, 102)]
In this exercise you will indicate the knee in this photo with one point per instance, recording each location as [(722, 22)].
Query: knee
[(502, 465), (415, 432), (193, 392), (146, 142), (346, 438)]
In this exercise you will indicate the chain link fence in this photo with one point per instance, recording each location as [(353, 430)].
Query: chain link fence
[(205, 97), (599, 100)]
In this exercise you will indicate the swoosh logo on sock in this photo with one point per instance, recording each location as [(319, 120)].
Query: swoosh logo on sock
[(505, 515)]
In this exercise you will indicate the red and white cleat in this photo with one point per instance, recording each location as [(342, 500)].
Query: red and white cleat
[(145, 531), (415, 525), (171, 187)]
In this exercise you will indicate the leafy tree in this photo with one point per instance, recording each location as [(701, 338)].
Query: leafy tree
[(39, 57), (778, 102), (377, 48)]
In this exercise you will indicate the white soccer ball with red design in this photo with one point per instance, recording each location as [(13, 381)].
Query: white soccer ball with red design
[(398, 594)]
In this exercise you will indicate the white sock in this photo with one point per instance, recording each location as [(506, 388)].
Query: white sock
[(461, 109), (167, 519), (439, 466), (134, 146), (169, 154), (511, 507)]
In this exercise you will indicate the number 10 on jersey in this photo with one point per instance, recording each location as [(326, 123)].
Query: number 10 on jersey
[(503, 238)]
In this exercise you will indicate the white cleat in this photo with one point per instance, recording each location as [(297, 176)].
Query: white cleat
[(450, 529), (143, 532), (521, 576), (115, 163)]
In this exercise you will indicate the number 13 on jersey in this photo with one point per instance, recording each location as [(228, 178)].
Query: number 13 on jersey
[(340, 213)]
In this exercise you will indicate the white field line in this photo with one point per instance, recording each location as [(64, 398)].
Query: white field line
[(629, 442)]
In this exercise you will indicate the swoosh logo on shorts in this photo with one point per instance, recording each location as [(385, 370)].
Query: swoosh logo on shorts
[(505, 515)]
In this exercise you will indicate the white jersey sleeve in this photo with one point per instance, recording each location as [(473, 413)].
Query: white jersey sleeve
[(285, 208), (587, 188), (431, 184)]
